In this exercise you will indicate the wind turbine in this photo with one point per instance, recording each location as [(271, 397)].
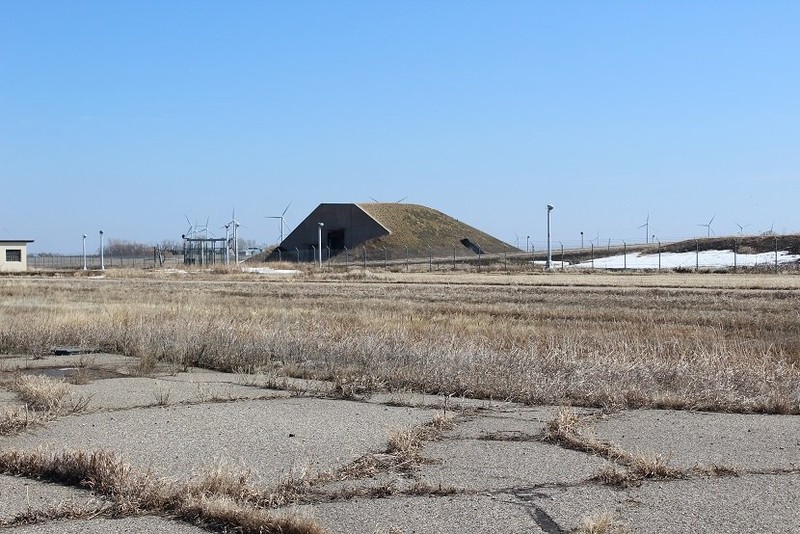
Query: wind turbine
[(709, 231), (646, 226), (282, 219), (189, 233), (741, 227)]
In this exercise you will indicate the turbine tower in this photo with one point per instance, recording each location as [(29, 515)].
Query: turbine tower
[(282, 219)]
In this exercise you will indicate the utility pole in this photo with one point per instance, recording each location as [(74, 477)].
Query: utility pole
[(549, 249), (102, 259), (319, 237), (84, 251)]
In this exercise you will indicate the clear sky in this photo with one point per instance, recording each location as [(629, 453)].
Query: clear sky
[(131, 116)]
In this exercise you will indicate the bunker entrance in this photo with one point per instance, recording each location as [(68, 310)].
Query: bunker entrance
[(336, 239)]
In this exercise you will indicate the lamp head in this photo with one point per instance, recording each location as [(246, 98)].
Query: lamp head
[(549, 207)]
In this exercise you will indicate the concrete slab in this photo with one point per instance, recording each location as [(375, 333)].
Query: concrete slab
[(115, 362), (132, 525), (494, 465), (750, 503), (269, 437), (505, 423), (443, 402), (466, 514), (741, 440), (120, 393), (20, 494)]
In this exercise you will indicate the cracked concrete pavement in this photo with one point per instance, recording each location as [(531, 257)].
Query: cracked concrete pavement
[(493, 471)]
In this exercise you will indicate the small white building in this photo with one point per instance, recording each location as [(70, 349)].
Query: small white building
[(14, 255)]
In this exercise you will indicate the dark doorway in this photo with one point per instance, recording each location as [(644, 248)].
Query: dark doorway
[(336, 239)]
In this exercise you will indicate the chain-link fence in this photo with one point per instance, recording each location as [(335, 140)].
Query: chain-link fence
[(95, 262)]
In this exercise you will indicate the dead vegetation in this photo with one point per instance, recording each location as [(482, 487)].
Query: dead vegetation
[(624, 469), (604, 523), (611, 345), (218, 500), (45, 398)]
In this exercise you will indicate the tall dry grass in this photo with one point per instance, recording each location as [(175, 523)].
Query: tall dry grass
[(689, 348), (220, 501)]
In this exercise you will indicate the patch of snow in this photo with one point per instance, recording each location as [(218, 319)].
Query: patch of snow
[(689, 260), (268, 271)]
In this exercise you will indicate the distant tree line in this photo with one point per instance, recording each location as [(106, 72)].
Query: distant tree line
[(125, 248)]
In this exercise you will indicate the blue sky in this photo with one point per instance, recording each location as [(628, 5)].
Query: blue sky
[(131, 116)]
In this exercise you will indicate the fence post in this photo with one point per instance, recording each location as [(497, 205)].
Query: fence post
[(696, 255), (454, 257), (624, 255), (385, 257), (592, 244), (406, 259), (346, 259), (776, 254), (364, 251), (298, 253), (430, 259), (659, 256)]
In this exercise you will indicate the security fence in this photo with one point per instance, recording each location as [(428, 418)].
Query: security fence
[(95, 262)]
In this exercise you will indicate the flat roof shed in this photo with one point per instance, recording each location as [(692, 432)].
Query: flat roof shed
[(14, 255)]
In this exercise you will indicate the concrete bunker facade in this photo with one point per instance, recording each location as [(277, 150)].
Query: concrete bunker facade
[(379, 229)]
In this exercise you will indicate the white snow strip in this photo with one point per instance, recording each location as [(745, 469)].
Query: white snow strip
[(689, 260), (268, 271)]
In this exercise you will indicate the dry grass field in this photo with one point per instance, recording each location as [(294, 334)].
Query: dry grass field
[(719, 342)]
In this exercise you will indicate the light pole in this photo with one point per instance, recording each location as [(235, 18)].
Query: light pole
[(527, 243), (102, 259), (227, 245), (84, 251), (581, 239), (235, 241), (319, 237), (549, 250)]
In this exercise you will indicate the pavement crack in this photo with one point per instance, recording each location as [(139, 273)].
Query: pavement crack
[(544, 521)]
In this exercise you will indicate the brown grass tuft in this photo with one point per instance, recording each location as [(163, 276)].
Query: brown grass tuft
[(610, 475), (61, 511), (40, 392), (654, 466), (13, 420), (564, 426), (602, 524), (716, 470), (218, 500)]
